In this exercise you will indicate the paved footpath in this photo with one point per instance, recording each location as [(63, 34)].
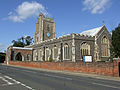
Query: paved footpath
[(21, 78)]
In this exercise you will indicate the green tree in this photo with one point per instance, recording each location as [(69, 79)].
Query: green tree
[(18, 43), (115, 48), (2, 58), (28, 40), (23, 41)]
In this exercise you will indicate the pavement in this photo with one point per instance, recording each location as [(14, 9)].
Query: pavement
[(26, 78)]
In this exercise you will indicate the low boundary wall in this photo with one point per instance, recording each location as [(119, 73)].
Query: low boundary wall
[(102, 68)]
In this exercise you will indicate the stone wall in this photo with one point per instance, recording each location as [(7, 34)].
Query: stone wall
[(81, 39), (103, 32), (108, 68)]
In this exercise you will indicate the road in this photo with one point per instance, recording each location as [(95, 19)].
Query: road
[(16, 78)]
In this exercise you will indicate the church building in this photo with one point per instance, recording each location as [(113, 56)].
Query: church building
[(72, 47)]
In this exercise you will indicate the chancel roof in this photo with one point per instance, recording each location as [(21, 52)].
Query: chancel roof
[(92, 32)]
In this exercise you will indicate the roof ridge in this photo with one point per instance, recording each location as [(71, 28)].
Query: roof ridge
[(92, 32)]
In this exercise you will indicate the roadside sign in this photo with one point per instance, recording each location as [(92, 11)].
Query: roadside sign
[(87, 58)]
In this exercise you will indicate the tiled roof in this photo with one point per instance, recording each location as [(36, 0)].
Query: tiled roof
[(92, 32)]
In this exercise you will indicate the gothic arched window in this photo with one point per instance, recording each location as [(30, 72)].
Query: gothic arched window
[(66, 51), (47, 53), (35, 55), (105, 46), (55, 51), (84, 49), (28, 57), (40, 54)]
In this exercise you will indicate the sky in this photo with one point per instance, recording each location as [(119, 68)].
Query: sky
[(18, 17)]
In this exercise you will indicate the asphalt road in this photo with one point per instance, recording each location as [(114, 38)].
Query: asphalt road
[(16, 78)]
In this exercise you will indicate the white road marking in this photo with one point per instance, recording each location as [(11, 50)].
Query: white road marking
[(58, 76), (26, 86), (12, 79), (19, 83), (9, 83), (105, 85), (15, 82), (5, 85)]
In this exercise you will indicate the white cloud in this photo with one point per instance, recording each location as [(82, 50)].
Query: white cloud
[(96, 6), (26, 10)]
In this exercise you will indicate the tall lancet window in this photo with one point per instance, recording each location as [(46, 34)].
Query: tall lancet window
[(105, 47), (55, 52), (66, 52)]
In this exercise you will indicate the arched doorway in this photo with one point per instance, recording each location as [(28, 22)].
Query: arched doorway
[(18, 57)]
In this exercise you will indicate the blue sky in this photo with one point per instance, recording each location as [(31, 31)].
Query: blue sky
[(18, 17)]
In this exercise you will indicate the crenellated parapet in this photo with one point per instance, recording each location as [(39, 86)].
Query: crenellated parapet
[(65, 38), (82, 37)]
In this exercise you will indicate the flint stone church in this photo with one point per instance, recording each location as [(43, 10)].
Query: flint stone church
[(71, 47)]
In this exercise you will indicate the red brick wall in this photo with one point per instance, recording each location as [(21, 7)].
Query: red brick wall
[(23, 51), (116, 67), (109, 69)]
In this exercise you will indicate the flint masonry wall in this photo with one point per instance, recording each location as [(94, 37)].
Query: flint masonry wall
[(109, 69)]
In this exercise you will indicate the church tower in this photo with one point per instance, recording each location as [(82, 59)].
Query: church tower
[(45, 29)]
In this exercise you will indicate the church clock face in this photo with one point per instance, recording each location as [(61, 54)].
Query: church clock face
[(48, 34)]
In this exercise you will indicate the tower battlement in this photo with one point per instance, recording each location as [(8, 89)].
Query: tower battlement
[(45, 29)]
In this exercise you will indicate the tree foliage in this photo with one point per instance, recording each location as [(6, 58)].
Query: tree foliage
[(115, 48), (23, 41), (2, 58)]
